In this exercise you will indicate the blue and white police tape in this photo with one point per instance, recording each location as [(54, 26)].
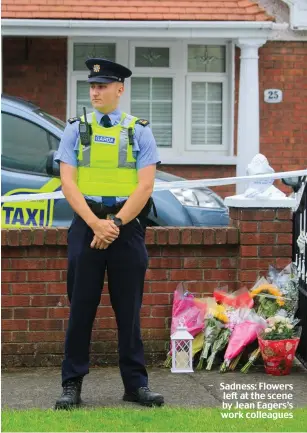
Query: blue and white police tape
[(165, 186)]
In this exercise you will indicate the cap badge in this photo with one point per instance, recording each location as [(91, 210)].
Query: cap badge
[(96, 68)]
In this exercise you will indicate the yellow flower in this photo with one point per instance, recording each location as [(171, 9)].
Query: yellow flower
[(272, 290), (219, 313)]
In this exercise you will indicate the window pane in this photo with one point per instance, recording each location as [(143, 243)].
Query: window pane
[(54, 142), (162, 112), (206, 58), (140, 88), (199, 91), (214, 114), (198, 135), (206, 116), (84, 51), (198, 113), (214, 135), (141, 109), (162, 88), (24, 145), (83, 98), (152, 99), (215, 92), (146, 57), (163, 135)]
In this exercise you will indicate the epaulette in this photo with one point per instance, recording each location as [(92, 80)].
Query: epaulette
[(142, 122), (73, 119)]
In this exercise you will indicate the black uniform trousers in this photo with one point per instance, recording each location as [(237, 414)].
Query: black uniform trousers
[(126, 261)]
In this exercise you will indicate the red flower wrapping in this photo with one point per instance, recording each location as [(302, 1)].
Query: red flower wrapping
[(278, 355)]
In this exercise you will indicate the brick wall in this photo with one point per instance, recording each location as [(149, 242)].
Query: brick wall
[(283, 65), (283, 127), (35, 69), (265, 238), (35, 307)]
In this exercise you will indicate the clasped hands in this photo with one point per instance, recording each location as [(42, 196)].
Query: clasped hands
[(105, 232)]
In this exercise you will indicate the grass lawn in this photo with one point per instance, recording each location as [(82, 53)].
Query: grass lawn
[(145, 420)]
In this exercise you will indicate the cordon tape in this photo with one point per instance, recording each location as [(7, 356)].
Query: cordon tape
[(160, 186)]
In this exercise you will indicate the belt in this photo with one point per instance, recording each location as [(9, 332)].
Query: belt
[(101, 210)]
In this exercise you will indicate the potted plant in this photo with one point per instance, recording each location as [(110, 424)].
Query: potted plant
[(278, 343)]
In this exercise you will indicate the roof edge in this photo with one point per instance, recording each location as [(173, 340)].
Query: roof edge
[(192, 29)]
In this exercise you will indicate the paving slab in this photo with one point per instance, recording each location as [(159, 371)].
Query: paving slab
[(40, 387)]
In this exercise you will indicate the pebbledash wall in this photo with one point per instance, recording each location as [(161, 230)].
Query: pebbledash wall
[(35, 307), (33, 64)]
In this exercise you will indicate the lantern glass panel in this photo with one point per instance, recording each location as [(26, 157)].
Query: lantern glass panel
[(182, 354)]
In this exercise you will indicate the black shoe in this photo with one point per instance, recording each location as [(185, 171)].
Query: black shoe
[(145, 397), (71, 395)]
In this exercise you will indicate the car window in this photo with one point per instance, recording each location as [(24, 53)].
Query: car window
[(25, 145), (54, 142)]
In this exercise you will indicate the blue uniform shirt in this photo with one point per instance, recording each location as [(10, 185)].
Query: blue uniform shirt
[(144, 149)]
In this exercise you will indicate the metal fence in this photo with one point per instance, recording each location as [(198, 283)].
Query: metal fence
[(299, 257)]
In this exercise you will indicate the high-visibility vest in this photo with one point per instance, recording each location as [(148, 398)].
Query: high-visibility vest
[(107, 167)]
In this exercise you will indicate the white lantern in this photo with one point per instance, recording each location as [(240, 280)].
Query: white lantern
[(182, 350)]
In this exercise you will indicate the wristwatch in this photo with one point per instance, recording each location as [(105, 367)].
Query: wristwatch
[(118, 222)]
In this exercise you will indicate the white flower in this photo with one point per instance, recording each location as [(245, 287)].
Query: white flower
[(289, 326), (267, 330), (279, 331), (280, 319)]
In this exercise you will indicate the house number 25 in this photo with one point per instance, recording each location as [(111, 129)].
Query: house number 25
[(272, 96)]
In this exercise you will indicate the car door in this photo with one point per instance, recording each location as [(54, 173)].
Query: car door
[(25, 146)]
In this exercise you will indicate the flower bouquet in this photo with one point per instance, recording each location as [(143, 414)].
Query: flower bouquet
[(278, 295), (214, 322), (278, 343), (212, 329), (192, 310), (287, 282), (269, 298), (246, 325), (218, 345)]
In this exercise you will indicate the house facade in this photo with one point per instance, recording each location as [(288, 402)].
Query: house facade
[(218, 81)]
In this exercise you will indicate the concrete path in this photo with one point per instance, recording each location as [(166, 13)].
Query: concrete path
[(39, 388)]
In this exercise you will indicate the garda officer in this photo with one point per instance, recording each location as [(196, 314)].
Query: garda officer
[(108, 161)]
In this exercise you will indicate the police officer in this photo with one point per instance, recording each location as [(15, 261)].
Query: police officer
[(108, 162)]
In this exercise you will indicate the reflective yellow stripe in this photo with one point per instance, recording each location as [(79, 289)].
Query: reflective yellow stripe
[(107, 167)]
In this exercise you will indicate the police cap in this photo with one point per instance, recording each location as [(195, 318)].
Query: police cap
[(105, 71)]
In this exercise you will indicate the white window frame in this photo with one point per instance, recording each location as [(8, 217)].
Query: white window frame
[(174, 72), (160, 75), (191, 78), (181, 152)]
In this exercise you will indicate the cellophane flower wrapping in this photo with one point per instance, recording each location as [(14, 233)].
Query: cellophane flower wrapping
[(189, 310), (287, 282), (245, 326), (213, 328), (239, 299), (268, 298)]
